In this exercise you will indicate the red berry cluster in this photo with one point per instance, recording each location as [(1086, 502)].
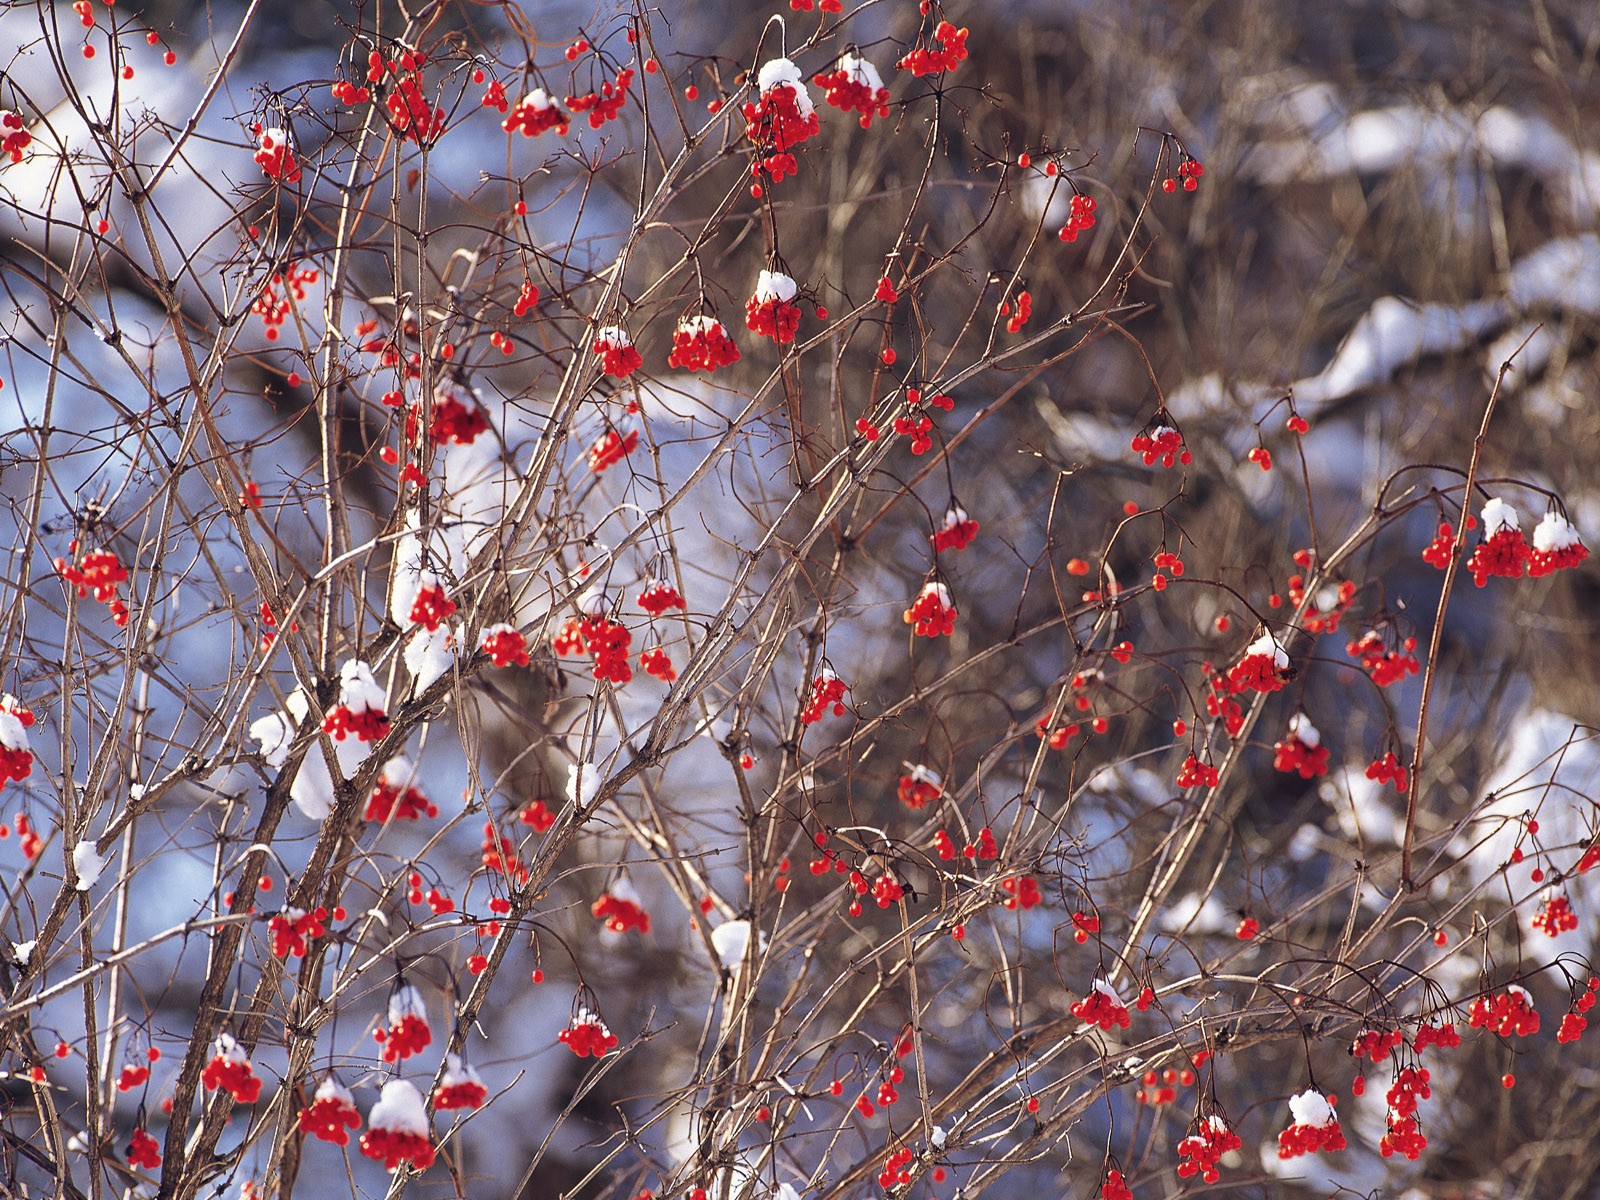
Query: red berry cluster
[(294, 928), (611, 449), (932, 614), (608, 641), (886, 890), (1437, 552), (773, 317), (587, 1035), (1511, 1012), (827, 691), (14, 136), (1162, 1088), (620, 913), (1388, 769), (950, 53), (132, 1076), (1246, 929), (657, 663), (1315, 620), (779, 119), (1310, 1139), (1058, 737), (1200, 1152), (405, 1037), (1556, 546), (916, 424), (957, 531), (1502, 552), (1574, 1022), (505, 645), (461, 1088), (1115, 1187), (984, 849), (534, 114), (538, 817), (1195, 773), (894, 1171), (1408, 1089), (1161, 442), (98, 572), (143, 1151), (1080, 216), (499, 854), (16, 758), (435, 899), (1221, 704), (396, 800), (368, 725), (393, 1147), (658, 596), (1375, 1043), (1189, 172), (1555, 915), (850, 88), (455, 421), (1023, 314), (494, 96), (1384, 664), (1084, 924), (273, 308), (1022, 891), (1292, 754), (619, 357), (1102, 1007), (432, 607), (332, 1113), (32, 843), (606, 104), (230, 1070), (350, 94), (702, 344), (1403, 1137), (920, 788), (1444, 1035), (1258, 670), (275, 154), (410, 114)]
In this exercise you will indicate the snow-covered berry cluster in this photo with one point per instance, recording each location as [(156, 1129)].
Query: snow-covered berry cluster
[(587, 1034), (854, 85), (534, 114), (827, 691), (1202, 1150), (1103, 1007), (956, 532), (275, 154), (619, 357), (771, 311), (1163, 443), (1314, 1126), (621, 908), (932, 613), (700, 343), (1301, 749)]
